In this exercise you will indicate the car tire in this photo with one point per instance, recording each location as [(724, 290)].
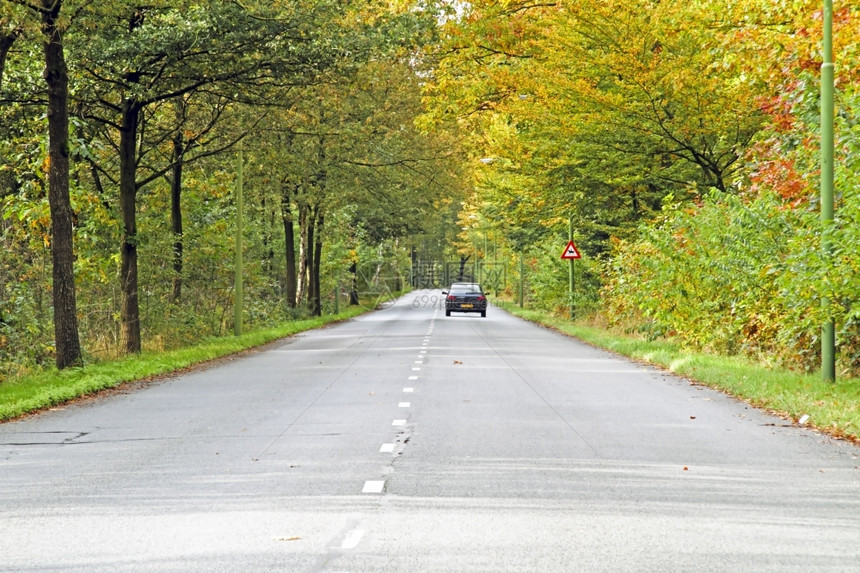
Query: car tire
[(447, 313), (483, 314)]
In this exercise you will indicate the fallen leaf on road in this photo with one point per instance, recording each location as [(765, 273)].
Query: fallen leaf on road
[(686, 469), (457, 362)]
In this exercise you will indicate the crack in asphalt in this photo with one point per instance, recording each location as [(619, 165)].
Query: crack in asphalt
[(76, 435)]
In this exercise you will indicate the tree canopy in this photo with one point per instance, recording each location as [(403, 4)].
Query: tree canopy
[(632, 119), (678, 138)]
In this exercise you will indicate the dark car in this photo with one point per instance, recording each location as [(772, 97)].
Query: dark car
[(465, 297)]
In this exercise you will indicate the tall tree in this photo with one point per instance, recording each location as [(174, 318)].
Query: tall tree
[(149, 55), (601, 107), (360, 153), (195, 135), (331, 137), (56, 76)]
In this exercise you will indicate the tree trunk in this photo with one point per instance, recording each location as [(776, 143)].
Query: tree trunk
[(176, 215), (302, 282), (463, 260), (268, 238), (316, 304), (310, 251), (129, 306), (7, 38), (67, 340), (289, 249), (353, 291), (315, 240)]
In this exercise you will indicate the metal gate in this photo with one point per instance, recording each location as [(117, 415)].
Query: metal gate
[(440, 274)]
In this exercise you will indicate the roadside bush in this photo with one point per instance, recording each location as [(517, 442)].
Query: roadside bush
[(809, 274), (705, 275), (738, 277)]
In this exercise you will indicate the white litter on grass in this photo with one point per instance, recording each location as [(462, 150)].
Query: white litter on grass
[(803, 419)]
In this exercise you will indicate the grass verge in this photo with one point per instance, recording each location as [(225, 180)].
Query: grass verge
[(52, 387), (832, 408)]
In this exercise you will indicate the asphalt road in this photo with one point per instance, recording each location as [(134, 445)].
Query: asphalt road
[(407, 441)]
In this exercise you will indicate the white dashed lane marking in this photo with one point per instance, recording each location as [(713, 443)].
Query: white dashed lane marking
[(352, 539), (373, 486)]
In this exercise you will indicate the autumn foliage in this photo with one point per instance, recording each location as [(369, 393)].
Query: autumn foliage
[(682, 139)]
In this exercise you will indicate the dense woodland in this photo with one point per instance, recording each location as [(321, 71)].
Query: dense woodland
[(122, 131), (680, 138)]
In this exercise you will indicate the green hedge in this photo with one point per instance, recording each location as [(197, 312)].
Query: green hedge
[(742, 277)]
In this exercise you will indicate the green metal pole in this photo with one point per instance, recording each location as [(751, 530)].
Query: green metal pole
[(572, 276), (828, 331), (522, 280), (483, 259), (337, 298), (238, 279)]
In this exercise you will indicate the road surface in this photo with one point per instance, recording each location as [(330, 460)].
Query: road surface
[(407, 441)]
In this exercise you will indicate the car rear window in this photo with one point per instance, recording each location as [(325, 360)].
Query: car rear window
[(465, 289)]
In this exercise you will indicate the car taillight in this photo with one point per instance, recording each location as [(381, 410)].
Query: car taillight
[(452, 297), (482, 298)]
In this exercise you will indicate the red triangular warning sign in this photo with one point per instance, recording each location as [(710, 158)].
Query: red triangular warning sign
[(570, 252)]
